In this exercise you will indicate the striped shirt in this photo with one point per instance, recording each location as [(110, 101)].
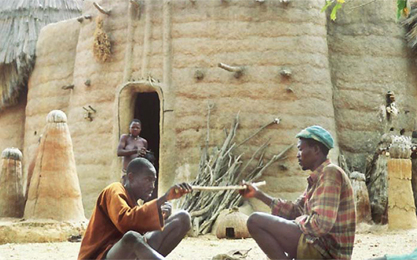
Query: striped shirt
[(325, 212)]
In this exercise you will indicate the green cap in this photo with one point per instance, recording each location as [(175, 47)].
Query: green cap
[(317, 133)]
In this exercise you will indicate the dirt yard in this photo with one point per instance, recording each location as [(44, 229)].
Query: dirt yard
[(371, 241)]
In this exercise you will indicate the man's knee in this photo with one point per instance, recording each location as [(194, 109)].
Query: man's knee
[(132, 238), (254, 220), (184, 218)]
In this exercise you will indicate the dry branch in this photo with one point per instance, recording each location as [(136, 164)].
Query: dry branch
[(275, 121), (238, 70), (101, 9), (71, 86), (230, 68), (220, 170), (231, 187), (361, 5)]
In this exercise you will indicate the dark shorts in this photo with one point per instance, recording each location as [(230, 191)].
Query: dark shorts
[(306, 250)]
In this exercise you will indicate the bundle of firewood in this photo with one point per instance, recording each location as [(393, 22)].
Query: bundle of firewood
[(222, 167)]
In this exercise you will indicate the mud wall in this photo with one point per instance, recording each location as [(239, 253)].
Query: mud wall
[(56, 51), (265, 39), (12, 122), (168, 41), (369, 57)]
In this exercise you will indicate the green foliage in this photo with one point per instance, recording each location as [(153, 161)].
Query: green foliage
[(337, 4), (402, 8)]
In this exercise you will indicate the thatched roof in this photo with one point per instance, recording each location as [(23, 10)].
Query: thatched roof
[(20, 24)]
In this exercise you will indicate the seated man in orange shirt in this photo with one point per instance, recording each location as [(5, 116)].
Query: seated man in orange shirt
[(121, 229)]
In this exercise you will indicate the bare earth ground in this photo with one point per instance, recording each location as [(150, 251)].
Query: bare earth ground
[(370, 241)]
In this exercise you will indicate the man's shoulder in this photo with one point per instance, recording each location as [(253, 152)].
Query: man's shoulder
[(333, 167), (124, 136), (114, 187), (111, 191), (335, 171), (143, 140)]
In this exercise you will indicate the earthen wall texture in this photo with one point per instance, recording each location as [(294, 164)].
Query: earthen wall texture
[(54, 68), (170, 40), (93, 150), (12, 122), (264, 38), (369, 57)]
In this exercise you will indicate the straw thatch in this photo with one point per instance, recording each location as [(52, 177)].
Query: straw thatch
[(20, 24)]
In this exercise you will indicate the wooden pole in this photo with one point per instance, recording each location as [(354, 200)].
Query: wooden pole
[(101, 9), (230, 68), (232, 187)]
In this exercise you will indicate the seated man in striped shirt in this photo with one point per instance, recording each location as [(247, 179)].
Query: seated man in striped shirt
[(321, 223)]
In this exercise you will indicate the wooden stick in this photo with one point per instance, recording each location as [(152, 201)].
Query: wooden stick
[(230, 68), (220, 188), (275, 121), (362, 5), (101, 9)]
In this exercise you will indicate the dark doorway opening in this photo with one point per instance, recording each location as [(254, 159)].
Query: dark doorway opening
[(230, 232), (147, 110)]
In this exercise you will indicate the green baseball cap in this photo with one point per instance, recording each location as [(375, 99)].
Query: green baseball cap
[(317, 133)]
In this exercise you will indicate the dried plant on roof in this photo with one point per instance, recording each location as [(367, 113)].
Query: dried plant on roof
[(102, 45), (20, 25), (220, 167)]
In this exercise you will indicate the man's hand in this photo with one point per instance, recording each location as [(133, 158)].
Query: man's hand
[(178, 190), (250, 192), (166, 210), (142, 152)]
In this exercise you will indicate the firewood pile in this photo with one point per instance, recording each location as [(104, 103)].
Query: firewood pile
[(223, 166)]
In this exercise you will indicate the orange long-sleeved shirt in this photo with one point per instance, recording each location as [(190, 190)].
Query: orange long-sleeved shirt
[(116, 213)]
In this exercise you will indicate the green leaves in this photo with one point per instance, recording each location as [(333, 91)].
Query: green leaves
[(402, 8), (334, 10), (328, 3), (337, 4)]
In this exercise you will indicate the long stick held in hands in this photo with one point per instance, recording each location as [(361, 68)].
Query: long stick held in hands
[(232, 187)]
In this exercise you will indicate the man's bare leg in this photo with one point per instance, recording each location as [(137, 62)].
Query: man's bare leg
[(132, 246), (274, 235), (175, 229)]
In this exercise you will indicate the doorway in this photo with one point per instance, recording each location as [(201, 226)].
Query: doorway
[(147, 110)]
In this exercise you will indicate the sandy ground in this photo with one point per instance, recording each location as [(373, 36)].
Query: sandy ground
[(370, 241)]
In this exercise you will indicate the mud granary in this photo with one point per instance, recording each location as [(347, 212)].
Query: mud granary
[(292, 63)]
